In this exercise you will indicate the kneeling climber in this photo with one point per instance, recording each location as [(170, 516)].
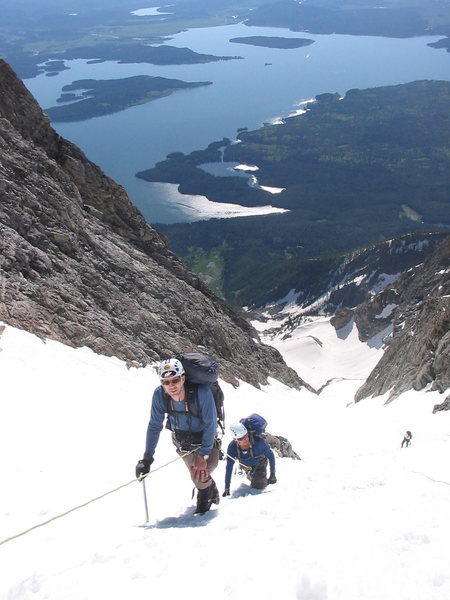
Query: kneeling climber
[(252, 453)]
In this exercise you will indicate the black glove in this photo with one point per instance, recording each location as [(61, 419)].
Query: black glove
[(143, 466), (226, 493), (272, 478)]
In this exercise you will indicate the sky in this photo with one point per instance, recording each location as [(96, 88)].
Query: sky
[(357, 518)]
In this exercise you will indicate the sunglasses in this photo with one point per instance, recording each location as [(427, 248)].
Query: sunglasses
[(241, 439), (174, 380)]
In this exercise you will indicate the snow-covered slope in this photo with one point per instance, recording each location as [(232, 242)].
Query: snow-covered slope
[(358, 518), (319, 353)]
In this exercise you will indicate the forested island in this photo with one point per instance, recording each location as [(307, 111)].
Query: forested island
[(358, 169), (272, 42), (97, 98), (126, 53)]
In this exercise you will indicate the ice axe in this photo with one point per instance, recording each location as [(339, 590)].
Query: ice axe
[(142, 478), (145, 500)]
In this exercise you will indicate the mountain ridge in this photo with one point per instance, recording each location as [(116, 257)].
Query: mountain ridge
[(417, 307)]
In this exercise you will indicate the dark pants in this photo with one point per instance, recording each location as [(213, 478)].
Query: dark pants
[(258, 475)]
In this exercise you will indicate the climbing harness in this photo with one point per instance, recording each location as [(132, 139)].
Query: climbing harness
[(242, 469)]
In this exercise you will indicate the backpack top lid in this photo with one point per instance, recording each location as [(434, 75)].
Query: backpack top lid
[(255, 423), (199, 368)]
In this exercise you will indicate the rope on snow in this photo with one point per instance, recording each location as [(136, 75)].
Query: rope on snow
[(67, 512), (430, 478)]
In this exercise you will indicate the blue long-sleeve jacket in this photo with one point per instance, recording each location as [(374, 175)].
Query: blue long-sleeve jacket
[(249, 458), (183, 420)]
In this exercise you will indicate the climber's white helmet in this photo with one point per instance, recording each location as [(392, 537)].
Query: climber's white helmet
[(238, 430), (171, 367)]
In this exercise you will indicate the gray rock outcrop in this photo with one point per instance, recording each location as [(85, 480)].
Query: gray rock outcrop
[(442, 406), (282, 446), (80, 265)]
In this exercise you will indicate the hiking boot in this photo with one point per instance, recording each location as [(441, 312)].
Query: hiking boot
[(206, 497)]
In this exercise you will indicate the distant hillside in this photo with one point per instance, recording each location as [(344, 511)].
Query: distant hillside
[(396, 19), (329, 284), (355, 170)]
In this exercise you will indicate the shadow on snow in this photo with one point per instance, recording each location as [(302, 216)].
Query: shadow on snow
[(189, 519), (186, 519), (245, 490)]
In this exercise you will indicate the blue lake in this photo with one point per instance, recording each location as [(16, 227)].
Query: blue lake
[(245, 93)]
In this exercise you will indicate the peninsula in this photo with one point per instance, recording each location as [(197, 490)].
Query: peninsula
[(96, 98)]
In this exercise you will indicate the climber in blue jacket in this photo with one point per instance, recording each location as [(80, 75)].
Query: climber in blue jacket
[(193, 435), (252, 453)]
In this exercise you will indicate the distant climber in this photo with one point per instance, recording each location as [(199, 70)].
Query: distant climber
[(407, 439), (252, 455)]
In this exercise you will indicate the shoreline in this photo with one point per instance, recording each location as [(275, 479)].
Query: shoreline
[(199, 208)]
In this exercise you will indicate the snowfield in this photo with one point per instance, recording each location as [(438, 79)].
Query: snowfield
[(358, 518)]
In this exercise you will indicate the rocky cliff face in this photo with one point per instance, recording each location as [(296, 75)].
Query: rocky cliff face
[(79, 264), (417, 310)]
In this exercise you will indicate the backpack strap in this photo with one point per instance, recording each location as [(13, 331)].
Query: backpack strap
[(191, 401), (218, 400)]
